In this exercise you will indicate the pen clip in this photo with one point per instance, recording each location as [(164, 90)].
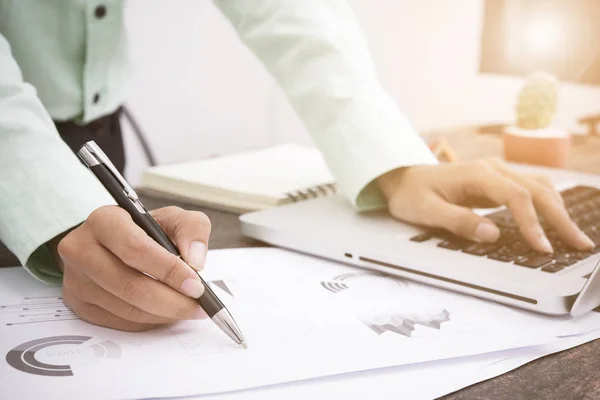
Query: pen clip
[(92, 154)]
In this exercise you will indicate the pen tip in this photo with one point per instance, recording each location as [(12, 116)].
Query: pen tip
[(244, 345)]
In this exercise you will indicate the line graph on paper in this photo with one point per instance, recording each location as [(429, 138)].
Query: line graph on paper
[(359, 288), (405, 324), (36, 310)]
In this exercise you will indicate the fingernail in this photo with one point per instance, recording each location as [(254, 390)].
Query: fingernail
[(545, 243), (200, 314), (487, 232), (192, 288), (197, 255), (589, 243)]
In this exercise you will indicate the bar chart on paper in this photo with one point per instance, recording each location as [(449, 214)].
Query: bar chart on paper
[(36, 310), (48, 306)]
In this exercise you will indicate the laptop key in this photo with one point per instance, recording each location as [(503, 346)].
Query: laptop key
[(560, 247), (453, 244), (520, 249), (581, 255), (553, 267), (533, 261), (480, 249), (567, 263), (566, 259), (423, 237), (495, 255)]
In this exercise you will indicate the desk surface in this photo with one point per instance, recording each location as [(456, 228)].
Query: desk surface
[(468, 145), (571, 374)]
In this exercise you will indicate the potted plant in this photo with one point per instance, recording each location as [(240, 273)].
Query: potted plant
[(532, 140)]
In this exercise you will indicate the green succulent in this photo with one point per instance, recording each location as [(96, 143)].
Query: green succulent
[(537, 101)]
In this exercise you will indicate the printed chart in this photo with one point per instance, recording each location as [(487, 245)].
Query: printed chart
[(405, 324), (51, 356), (221, 284), (364, 287), (303, 318), (364, 281), (36, 310)]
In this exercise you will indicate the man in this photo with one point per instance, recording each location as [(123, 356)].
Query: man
[(61, 224)]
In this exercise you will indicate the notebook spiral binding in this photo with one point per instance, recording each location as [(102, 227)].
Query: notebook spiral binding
[(312, 192)]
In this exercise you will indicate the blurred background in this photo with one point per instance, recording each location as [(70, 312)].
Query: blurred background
[(447, 63)]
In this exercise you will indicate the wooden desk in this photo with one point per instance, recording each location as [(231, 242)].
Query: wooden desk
[(571, 374), (470, 145)]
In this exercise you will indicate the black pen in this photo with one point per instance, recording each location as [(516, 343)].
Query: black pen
[(125, 196)]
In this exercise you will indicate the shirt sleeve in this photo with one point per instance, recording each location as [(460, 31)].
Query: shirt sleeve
[(318, 54), (44, 189)]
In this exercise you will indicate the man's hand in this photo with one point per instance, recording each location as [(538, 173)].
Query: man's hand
[(108, 259), (441, 196)]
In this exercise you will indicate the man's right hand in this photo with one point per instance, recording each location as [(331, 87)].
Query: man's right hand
[(107, 260), (441, 196)]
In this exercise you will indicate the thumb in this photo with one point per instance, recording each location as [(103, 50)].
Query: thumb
[(461, 221), (190, 230)]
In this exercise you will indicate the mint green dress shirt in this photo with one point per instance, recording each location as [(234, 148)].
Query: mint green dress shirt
[(68, 60)]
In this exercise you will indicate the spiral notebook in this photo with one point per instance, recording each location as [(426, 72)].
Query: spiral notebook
[(246, 181)]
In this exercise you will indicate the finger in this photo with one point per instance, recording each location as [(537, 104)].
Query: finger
[(116, 231), (459, 220), (98, 316), (532, 182), (557, 217), (88, 291), (140, 290), (190, 230), (501, 190), (547, 183), (550, 205)]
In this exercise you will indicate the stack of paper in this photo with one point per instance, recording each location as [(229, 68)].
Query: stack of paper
[(323, 325)]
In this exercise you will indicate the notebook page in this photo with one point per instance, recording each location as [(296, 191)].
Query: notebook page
[(271, 172)]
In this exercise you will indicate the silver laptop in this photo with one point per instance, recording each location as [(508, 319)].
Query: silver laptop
[(506, 272)]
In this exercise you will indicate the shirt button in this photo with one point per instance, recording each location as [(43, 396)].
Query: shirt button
[(96, 98), (100, 12)]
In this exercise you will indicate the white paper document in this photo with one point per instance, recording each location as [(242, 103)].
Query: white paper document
[(303, 318), (420, 381)]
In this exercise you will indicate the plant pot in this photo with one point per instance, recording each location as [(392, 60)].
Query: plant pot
[(545, 147)]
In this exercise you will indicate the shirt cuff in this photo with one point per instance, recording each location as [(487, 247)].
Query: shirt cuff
[(370, 138), (42, 266), (39, 261), (61, 196)]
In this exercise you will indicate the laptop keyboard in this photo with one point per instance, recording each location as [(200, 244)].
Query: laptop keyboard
[(582, 203)]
